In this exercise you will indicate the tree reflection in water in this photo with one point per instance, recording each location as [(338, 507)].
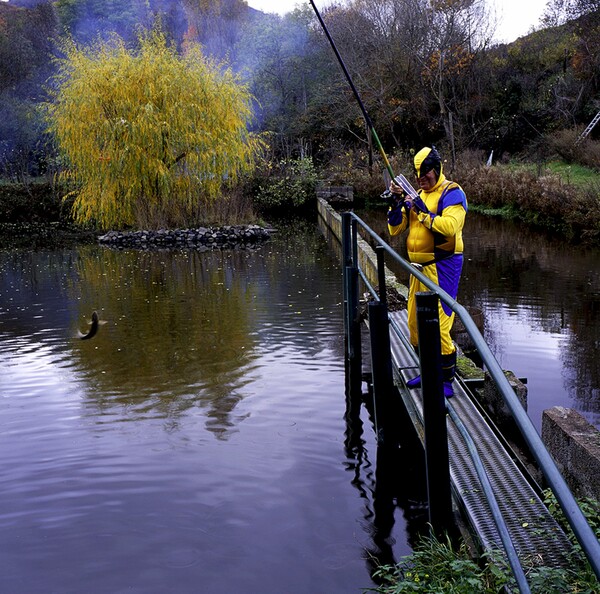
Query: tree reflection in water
[(395, 485), (177, 335)]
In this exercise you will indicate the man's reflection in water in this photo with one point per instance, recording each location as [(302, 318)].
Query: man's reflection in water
[(396, 481)]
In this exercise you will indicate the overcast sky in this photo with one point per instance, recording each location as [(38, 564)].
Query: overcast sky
[(515, 17)]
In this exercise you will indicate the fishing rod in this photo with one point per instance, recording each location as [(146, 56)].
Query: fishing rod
[(356, 95)]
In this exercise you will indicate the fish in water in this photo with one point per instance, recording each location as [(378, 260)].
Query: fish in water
[(93, 327)]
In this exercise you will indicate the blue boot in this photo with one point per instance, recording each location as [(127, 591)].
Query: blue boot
[(448, 369), (448, 390), (415, 382)]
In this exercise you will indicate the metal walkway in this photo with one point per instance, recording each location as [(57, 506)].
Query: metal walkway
[(537, 537)]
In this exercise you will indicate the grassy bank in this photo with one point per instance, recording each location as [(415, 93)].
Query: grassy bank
[(443, 566), (554, 196), (578, 176)]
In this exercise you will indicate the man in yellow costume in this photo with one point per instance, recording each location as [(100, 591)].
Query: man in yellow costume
[(435, 219)]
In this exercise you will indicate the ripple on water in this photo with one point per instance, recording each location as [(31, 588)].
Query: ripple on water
[(198, 436)]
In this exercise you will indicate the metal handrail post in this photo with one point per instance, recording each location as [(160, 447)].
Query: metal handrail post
[(434, 412), (353, 313), (351, 303), (381, 368), (346, 239), (380, 253), (346, 265), (354, 236)]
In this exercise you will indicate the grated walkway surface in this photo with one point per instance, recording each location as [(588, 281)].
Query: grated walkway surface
[(537, 537)]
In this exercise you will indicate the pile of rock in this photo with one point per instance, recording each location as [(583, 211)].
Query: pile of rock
[(230, 236)]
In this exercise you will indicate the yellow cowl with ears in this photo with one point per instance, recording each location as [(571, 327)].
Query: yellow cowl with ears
[(421, 156)]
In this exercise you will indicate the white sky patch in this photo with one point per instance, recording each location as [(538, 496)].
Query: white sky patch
[(516, 18), (276, 6)]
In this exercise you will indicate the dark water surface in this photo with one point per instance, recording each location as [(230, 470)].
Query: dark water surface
[(201, 441), (198, 442), (541, 301)]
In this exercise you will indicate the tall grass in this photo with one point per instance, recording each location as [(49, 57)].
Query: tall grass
[(544, 196), (437, 565)]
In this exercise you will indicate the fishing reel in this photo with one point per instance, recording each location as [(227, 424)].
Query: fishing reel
[(391, 199)]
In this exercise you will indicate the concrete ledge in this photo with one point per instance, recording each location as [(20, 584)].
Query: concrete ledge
[(366, 254), (494, 402), (336, 194), (575, 446)]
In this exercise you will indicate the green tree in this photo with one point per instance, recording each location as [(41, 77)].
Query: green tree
[(25, 49), (150, 136), (87, 19), (25, 43), (216, 24)]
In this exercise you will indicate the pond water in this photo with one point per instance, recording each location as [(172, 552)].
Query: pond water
[(199, 442), (203, 441), (540, 297)]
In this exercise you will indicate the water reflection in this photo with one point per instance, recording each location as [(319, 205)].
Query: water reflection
[(394, 483), (196, 441), (389, 476), (178, 332), (541, 301), (183, 328)]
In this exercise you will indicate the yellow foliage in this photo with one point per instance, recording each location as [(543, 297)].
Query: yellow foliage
[(451, 61), (149, 136)]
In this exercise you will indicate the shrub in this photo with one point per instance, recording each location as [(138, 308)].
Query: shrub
[(564, 144), (35, 202), (234, 209), (287, 184), (436, 566), (544, 200), (351, 168)]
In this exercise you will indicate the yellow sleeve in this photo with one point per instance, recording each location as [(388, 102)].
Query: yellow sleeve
[(449, 223), (397, 229)]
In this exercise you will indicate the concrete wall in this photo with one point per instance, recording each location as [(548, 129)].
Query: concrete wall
[(336, 194), (575, 446), (366, 254)]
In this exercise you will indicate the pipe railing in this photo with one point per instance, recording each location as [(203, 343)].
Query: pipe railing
[(582, 530)]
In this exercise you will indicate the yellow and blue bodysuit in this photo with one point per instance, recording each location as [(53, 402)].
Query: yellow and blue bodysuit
[(435, 241)]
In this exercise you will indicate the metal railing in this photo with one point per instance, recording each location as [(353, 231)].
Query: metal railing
[(352, 271)]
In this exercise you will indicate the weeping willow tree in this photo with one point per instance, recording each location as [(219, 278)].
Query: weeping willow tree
[(150, 137)]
